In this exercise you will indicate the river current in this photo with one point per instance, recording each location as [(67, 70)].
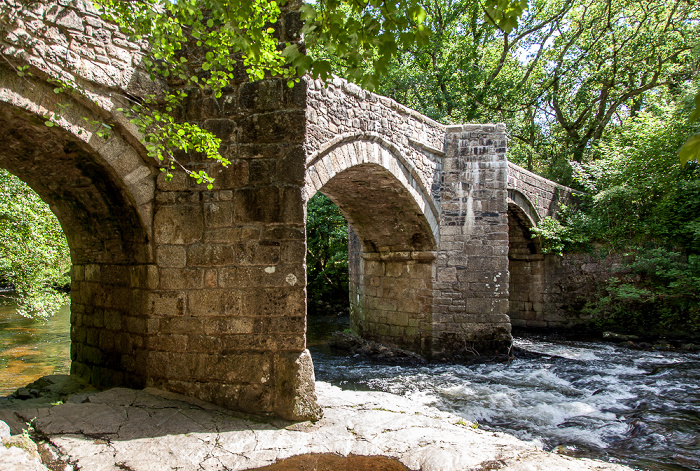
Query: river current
[(585, 399), (592, 399)]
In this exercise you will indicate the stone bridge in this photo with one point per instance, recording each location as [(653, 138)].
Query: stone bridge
[(202, 291)]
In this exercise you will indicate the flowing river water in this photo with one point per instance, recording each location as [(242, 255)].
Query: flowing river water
[(592, 399)]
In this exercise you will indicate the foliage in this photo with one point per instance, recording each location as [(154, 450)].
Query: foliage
[(642, 203), (569, 230), (34, 255), (569, 72), (691, 149), (327, 253), (659, 293), (638, 194)]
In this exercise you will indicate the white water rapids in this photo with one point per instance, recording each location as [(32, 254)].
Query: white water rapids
[(592, 399)]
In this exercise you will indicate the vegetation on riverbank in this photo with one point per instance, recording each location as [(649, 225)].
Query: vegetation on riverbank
[(642, 205), (34, 254), (326, 257)]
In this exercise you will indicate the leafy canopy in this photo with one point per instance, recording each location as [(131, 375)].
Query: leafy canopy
[(563, 77), (235, 34)]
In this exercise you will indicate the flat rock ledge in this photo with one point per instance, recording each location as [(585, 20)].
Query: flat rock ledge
[(143, 430)]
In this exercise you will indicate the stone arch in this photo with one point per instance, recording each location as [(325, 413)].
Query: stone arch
[(392, 239), (353, 149), (102, 193), (525, 264), (524, 206)]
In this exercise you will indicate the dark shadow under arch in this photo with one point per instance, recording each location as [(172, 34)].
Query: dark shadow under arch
[(108, 241), (526, 267), (391, 253)]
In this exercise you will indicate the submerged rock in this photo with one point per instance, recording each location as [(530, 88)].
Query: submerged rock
[(355, 345)]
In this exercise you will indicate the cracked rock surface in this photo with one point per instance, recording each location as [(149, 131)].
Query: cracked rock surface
[(142, 430)]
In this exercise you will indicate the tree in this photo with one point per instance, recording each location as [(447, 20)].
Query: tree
[(568, 72), (34, 254), (327, 253), (607, 58), (641, 204)]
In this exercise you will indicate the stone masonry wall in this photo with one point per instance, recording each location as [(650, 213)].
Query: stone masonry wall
[(391, 298), (230, 303), (386, 133), (339, 110), (471, 271), (377, 161), (199, 292), (569, 282), (533, 192), (527, 270)]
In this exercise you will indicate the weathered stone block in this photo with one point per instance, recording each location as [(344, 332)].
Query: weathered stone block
[(172, 256), (181, 278), (208, 255), (165, 304), (178, 224)]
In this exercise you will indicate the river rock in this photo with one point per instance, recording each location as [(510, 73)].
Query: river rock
[(615, 337), (145, 430), (355, 345), (13, 458)]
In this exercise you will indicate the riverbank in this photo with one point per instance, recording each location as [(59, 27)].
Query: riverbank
[(150, 429)]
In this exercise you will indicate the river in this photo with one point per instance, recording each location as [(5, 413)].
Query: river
[(30, 349), (592, 399)]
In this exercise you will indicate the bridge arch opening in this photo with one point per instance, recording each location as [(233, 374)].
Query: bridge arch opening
[(104, 226), (526, 267), (391, 245)]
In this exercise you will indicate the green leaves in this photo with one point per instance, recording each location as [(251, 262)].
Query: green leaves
[(163, 137), (504, 13), (695, 115), (34, 255), (691, 149), (327, 253), (362, 37), (235, 34)]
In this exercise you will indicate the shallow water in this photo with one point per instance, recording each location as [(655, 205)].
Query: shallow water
[(30, 349), (592, 399)]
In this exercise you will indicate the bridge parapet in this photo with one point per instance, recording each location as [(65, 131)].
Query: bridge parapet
[(536, 196), (348, 126)]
